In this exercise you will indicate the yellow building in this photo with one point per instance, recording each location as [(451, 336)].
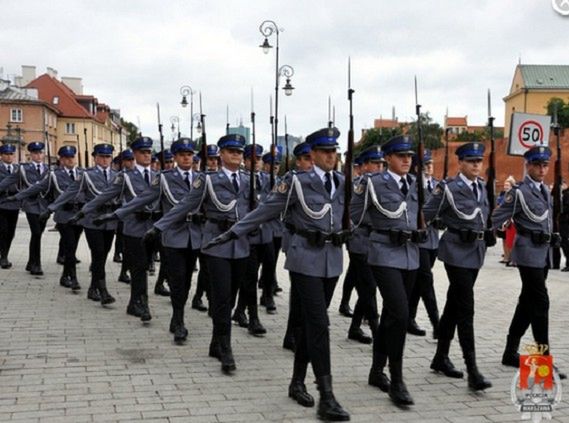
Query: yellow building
[(532, 88)]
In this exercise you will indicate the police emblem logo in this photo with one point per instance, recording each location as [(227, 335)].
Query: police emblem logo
[(119, 179), (156, 181), (438, 190), (197, 183), (509, 198), (282, 187), (358, 189)]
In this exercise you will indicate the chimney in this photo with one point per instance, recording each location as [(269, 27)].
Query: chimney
[(28, 75), (76, 84), (52, 72)]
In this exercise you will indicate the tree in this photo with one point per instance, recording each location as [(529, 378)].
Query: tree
[(376, 136), (432, 132), (562, 110), (131, 129)]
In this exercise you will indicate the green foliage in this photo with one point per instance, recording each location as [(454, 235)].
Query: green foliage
[(131, 129), (432, 132), (562, 110), (376, 136)]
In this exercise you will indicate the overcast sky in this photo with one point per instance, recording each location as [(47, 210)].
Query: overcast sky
[(133, 54)]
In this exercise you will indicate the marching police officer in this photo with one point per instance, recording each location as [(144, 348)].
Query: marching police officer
[(127, 162), (424, 288), (529, 206), (26, 175), (128, 185), (181, 242), (313, 203), (223, 197), (461, 203), (87, 186), (9, 209), (50, 187), (389, 202)]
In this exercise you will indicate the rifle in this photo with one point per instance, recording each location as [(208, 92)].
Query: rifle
[(420, 152), (330, 123), (491, 173), (161, 138), (273, 141), (46, 135), (557, 188), (227, 120), (286, 148), (253, 180), (445, 167), (78, 152), (203, 152), (120, 147), (346, 220), (86, 149)]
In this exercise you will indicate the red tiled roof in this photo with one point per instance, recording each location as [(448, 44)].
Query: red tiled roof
[(456, 121), (385, 123), (49, 87)]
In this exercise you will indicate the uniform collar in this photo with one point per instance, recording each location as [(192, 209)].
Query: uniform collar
[(102, 169), (182, 172), (536, 184), (228, 172), (141, 169), (467, 181), (397, 178)]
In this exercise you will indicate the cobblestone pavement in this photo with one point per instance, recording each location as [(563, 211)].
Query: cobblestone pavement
[(66, 359)]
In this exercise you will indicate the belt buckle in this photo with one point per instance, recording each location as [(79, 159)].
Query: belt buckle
[(547, 238), (480, 236)]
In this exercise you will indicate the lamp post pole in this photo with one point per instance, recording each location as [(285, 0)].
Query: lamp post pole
[(186, 90)]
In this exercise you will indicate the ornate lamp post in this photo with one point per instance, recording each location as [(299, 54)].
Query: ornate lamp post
[(186, 90), (175, 121)]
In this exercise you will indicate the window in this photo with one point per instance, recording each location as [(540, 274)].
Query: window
[(69, 128), (55, 100), (16, 115)]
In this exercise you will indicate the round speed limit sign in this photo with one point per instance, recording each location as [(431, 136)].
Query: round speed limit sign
[(530, 133)]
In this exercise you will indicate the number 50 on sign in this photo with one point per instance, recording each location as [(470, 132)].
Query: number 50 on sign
[(527, 131)]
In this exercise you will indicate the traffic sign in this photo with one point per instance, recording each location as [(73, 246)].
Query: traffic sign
[(527, 131)]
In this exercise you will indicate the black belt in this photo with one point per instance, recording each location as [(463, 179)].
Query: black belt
[(539, 237), (198, 219), (400, 237), (73, 206), (467, 235), (319, 239), (222, 224), (148, 215), (108, 208)]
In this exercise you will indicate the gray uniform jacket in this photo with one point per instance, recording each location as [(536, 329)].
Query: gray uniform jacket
[(127, 185), (90, 184), (213, 194), (531, 212), (264, 234), (454, 203), (51, 187), (168, 187), (10, 190), (432, 242), (26, 176), (275, 226), (378, 198), (359, 242), (308, 207)]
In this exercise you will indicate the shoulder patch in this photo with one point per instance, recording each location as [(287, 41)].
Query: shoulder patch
[(156, 181), (119, 179), (359, 188), (438, 190), (282, 187), (509, 198), (197, 183)]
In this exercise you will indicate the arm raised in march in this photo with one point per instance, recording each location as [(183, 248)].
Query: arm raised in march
[(40, 186), (436, 203), (66, 196), (111, 192), (148, 196), (190, 203)]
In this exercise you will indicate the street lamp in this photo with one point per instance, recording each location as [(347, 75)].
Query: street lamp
[(175, 120), (186, 90), (197, 117), (267, 29)]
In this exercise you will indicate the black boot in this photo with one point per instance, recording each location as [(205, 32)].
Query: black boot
[(255, 327), (180, 331), (197, 304), (297, 389), (328, 408), (215, 348), (226, 355), (117, 258), (240, 317), (134, 308), (345, 310), (145, 310), (4, 263), (151, 268), (159, 288), (434, 318), (357, 334), (269, 304), (511, 357), (476, 381), (414, 329), (397, 390), (106, 298), (93, 292), (74, 283), (36, 270), (124, 277), (441, 362), (65, 281), (378, 379), (289, 342)]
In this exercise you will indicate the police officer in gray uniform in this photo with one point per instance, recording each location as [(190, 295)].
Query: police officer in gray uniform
[(223, 197), (87, 186), (9, 209), (50, 187), (461, 203), (181, 242), (313, 204), (529, 206), (28, 174), (371, 162), (424, 284), (126, 186), (389, 202)]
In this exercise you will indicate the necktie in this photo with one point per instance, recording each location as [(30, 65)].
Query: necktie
[(543, 192), (71, 174), (404, 187), (475, 190), (328, 183), (39, 169), (9, 169), (429, 186), (234, 181), (105, 174), (257, 182), (187, 179), (146, 177)]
